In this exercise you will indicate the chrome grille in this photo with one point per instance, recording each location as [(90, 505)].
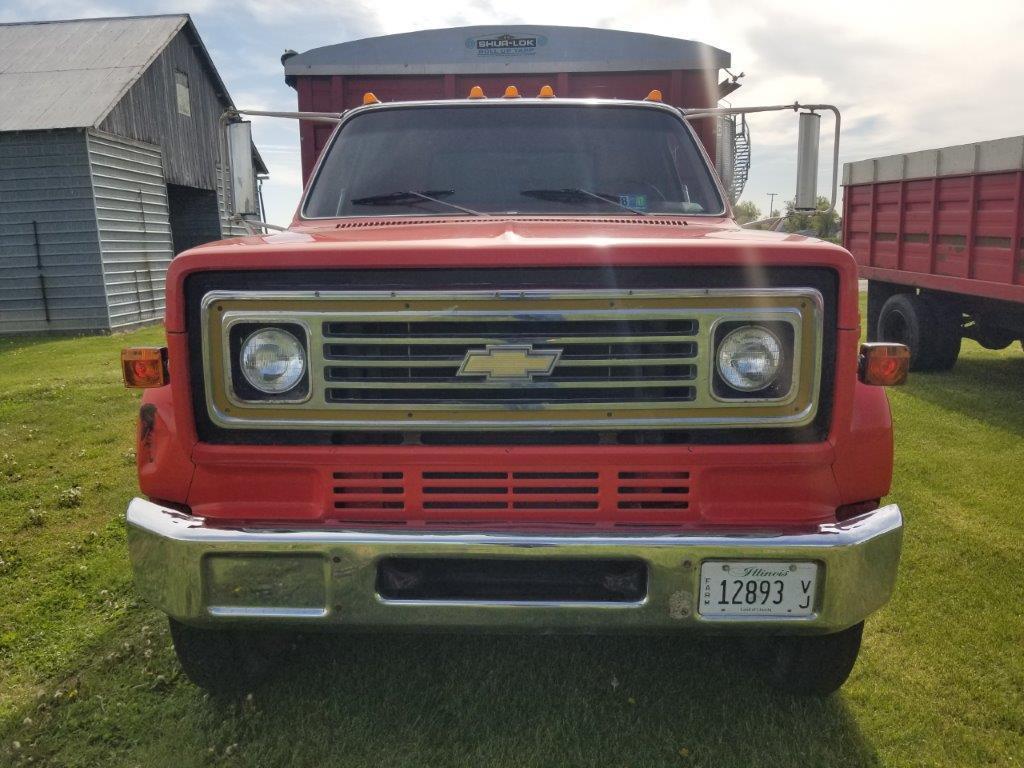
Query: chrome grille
[(601, 361), (615, 359)]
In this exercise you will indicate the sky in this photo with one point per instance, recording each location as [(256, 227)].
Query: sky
[(907, 75)]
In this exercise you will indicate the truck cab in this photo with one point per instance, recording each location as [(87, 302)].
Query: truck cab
[(514, 367)]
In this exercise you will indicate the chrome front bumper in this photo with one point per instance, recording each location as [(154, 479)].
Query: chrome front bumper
[(206, 575)]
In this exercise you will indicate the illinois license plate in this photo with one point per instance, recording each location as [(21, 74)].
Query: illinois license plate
[(744, 588)]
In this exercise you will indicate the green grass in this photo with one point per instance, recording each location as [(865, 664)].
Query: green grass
[(87, 675)]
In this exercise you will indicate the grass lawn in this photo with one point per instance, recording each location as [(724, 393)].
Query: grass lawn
[(88, 678)]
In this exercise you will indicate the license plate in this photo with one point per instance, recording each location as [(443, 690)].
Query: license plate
[(751, 588)]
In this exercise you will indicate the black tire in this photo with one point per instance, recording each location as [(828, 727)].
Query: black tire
[(945, 339), (993, 338), (931, 331), (814, 665), (222, 662)]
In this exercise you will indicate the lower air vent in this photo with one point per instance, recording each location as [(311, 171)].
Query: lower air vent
[(509, 491), (462, 579), (368, 492), (654, 490)]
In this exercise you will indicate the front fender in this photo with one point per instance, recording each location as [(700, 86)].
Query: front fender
[(864, 453), (163, 459)]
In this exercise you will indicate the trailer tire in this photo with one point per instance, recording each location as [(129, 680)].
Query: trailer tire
[(992, 338), (945, 333), (924, 326), (815, 665)]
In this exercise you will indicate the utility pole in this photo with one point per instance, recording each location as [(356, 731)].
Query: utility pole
[(771, 204)]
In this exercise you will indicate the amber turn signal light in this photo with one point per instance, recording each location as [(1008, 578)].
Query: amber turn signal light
[(144, 367), (883, 365)]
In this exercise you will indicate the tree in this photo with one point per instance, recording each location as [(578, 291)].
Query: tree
[(747, 211), (818, 221)]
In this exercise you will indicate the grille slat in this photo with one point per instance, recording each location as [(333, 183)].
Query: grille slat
[(572, 496), (600, 356), (523, 337)]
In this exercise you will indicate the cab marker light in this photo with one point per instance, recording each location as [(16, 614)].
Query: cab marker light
[(654, 95), (144, 367), (546, 92), (370, 98), (883, 364), (476, 92), (511, 93)]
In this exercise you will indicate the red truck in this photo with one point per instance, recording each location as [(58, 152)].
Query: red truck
[(938, 235), (515, 367)]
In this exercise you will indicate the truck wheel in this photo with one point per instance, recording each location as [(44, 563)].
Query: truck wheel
[(931, 331), (946, 332), (220, 661), (815, 665), (992, 338)]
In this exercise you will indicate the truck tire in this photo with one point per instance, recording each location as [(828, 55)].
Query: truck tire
[(220, 661), (815, 665), (990, 337), (923, 324), (946, 333)]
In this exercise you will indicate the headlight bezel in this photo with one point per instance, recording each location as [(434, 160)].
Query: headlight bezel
[(242, 389), (785, 381)]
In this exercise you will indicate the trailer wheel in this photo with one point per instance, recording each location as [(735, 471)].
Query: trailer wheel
[(990, 337), (815, 665), (931, 331), (945, 333), (220, 661)]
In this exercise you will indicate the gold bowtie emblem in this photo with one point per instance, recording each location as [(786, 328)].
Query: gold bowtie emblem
[(509, 362)]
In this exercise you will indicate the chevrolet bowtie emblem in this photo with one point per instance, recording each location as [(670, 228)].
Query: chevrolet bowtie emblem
[(509, 362)]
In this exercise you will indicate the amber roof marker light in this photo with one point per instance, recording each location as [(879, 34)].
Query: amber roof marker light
[(511, 93), (546, 92), (883, 364), (144, 367), (654, 95), (370, 98), (476, 92)]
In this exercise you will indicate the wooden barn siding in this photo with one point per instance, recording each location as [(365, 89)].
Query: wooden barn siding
[(44, 178), (149, 113), (134, 229)]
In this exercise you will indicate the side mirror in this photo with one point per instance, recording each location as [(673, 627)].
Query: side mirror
[(807, 162), (243, 172)]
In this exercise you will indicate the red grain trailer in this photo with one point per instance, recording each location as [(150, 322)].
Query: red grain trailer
[(577, 62), (938, 235)]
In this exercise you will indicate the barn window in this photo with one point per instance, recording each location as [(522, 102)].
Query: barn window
[(181, 90)]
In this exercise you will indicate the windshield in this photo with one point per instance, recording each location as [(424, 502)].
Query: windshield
[(528, 159)]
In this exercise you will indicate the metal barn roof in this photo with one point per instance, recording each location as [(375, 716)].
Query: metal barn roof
[(70, 74), (507, 48)]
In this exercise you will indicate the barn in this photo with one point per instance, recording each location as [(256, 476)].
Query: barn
[(110, 164)]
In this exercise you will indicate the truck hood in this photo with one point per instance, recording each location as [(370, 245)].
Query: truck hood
[(451, 243), (398, 232)]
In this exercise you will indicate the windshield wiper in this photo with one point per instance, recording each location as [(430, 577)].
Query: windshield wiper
[(574, 194), (431, 195)]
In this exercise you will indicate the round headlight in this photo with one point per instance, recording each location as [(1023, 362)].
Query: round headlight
[(272, 360), (750, 358)]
